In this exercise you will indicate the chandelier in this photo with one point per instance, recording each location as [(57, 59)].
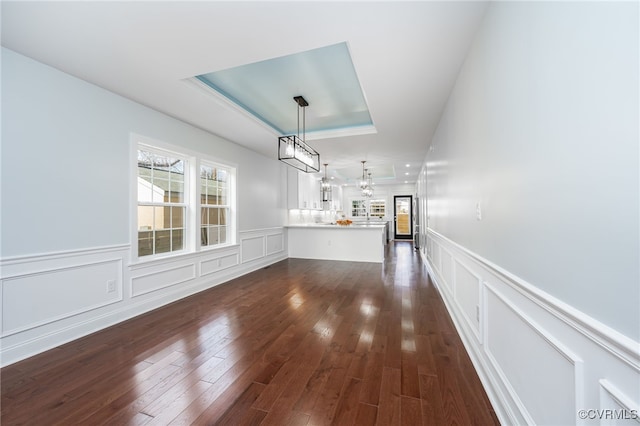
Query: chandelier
[(368, 191), (295, 151), (363, 180), (366, 184), (325, 187)]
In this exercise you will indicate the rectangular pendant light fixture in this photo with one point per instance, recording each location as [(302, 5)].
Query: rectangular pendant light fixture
[(295, 151)]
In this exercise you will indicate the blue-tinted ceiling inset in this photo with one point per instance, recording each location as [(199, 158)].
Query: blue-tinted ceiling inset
[(325, 77)]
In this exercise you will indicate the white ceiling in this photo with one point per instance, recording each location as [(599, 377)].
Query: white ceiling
[(406, 55)]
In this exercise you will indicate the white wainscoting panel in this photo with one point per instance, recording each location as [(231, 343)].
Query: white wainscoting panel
[(467, 294), (447, 270), (275, 243), (162, 278), (437, 261), (33, 299), (261, 243), (528, 359), (616, 408), (252, 248), (540, 360), (50, 299), (218, 263), (46, 298)]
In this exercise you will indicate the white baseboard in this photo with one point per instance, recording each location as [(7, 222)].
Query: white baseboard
[(540, 360)]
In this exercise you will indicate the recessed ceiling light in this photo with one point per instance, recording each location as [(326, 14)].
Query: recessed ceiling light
[(408, 165), (407, 173), (406, 181)]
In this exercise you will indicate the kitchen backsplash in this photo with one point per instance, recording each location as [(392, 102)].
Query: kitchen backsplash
[(297, 217)]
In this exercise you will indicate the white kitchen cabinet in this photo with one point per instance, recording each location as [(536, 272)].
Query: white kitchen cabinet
[(315, 198), (303, 191), (336, 198)]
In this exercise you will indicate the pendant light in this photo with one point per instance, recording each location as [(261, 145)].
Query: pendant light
[(363, 180), (295, 151), (366, 184), (368, 191), (325, 187)]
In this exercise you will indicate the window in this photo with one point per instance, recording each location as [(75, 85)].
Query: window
[(214, 204), (358, 208), (377, 208), (161, 203), (368, 208), (185, 202)]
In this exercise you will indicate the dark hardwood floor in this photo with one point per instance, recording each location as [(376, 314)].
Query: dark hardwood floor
[(302, 342)]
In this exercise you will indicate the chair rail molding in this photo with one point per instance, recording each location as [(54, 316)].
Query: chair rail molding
[(541, 360)]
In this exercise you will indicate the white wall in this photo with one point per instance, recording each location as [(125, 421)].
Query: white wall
[(542, 131), (540, 139), (65, 227), (65, 150)]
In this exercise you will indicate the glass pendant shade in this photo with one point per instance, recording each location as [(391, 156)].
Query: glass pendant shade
[(363, 180), (296, 153), (367, 191), (325, 188)]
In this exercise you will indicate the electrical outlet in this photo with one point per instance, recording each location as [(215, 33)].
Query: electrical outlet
[(111, 286), (478, 313), (478, 211)]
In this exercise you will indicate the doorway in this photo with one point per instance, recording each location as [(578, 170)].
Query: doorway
[(402, 217)]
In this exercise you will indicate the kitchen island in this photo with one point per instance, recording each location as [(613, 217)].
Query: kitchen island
[(358, 242)]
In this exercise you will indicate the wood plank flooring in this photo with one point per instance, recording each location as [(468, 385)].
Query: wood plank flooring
[(302, 342)]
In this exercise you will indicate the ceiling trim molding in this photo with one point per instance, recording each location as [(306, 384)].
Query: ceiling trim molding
[(228, 103)]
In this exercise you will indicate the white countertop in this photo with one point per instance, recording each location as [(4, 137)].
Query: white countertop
[(329, 226)]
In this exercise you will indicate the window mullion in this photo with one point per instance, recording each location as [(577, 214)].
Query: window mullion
[(171, 211)]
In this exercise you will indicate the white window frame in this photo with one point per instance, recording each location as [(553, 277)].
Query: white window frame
[(230, 205), (192, 226), (383, 200), (362, 202), (367, 207)]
